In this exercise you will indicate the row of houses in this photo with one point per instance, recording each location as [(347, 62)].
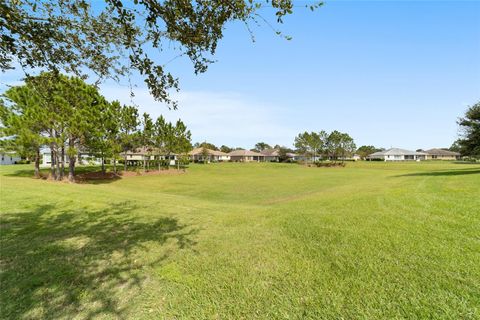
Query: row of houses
[(269, 155), (272, 155), (132, 157), (198, 154)]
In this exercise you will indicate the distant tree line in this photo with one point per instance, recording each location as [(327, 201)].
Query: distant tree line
[(69, 116)]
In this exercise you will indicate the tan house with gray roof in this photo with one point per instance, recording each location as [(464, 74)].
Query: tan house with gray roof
[(246, 156), (271, 155), (213, 155), (441, 154)]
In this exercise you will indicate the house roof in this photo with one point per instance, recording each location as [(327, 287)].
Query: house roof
[(395, 152), (142, 151), (245, 153), (146, 151), (198, 151), (441, 152), (270, 152)]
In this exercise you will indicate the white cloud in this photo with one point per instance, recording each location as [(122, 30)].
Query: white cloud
[(218, 117)]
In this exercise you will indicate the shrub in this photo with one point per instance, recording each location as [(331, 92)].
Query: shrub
[(330, 164)]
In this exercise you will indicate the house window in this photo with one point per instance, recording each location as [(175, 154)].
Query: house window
[(434, 157)]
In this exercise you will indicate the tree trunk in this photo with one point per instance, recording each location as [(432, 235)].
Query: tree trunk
[(103, 165), (125, 161), (37, 163), (62, 169), (178, 164), (57, 165), (114, 165), (52, 161), (159, 163), (71, 168)]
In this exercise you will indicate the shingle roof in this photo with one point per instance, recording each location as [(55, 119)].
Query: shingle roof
[(270, 152), (441, 152), (198, 151), (245, 153), (143, 151), (398, 151)]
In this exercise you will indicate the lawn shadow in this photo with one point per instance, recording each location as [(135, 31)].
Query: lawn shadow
[(65, 263), (25, 173), (455, 172), (88, 175)]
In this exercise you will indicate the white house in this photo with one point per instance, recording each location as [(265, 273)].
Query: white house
[(83, 158), (396, 154), (9, 158), (296, 157)]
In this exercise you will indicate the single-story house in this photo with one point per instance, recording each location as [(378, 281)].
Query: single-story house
[(83, 158), (296, 157), (396, 154), (133, 157), (353, 157), (246, 156), (271, 155), (9, 158), (441, 154), (213, 155)]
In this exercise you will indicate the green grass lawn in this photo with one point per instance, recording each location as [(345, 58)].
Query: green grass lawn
[(245, 241)]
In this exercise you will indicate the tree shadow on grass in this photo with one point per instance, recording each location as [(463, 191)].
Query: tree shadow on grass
[(24, 173), (456, 172), (82, 263)]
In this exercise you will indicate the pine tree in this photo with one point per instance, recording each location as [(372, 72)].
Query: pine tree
[(23, 125), (182, 141), (128, 125)]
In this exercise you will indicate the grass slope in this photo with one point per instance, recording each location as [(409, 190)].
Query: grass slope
[(265, 241)]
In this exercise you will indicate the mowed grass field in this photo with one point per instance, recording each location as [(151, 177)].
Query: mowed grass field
[(245, 241)]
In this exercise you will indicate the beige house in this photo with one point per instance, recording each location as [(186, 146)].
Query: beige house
[(246, 156), (440, 154), (271, 155), (197, 155), (133, 157)]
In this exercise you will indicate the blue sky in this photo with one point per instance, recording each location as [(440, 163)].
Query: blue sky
[(390, 73)]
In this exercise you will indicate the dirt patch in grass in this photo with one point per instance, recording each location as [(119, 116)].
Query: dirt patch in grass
[(99, 176)]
